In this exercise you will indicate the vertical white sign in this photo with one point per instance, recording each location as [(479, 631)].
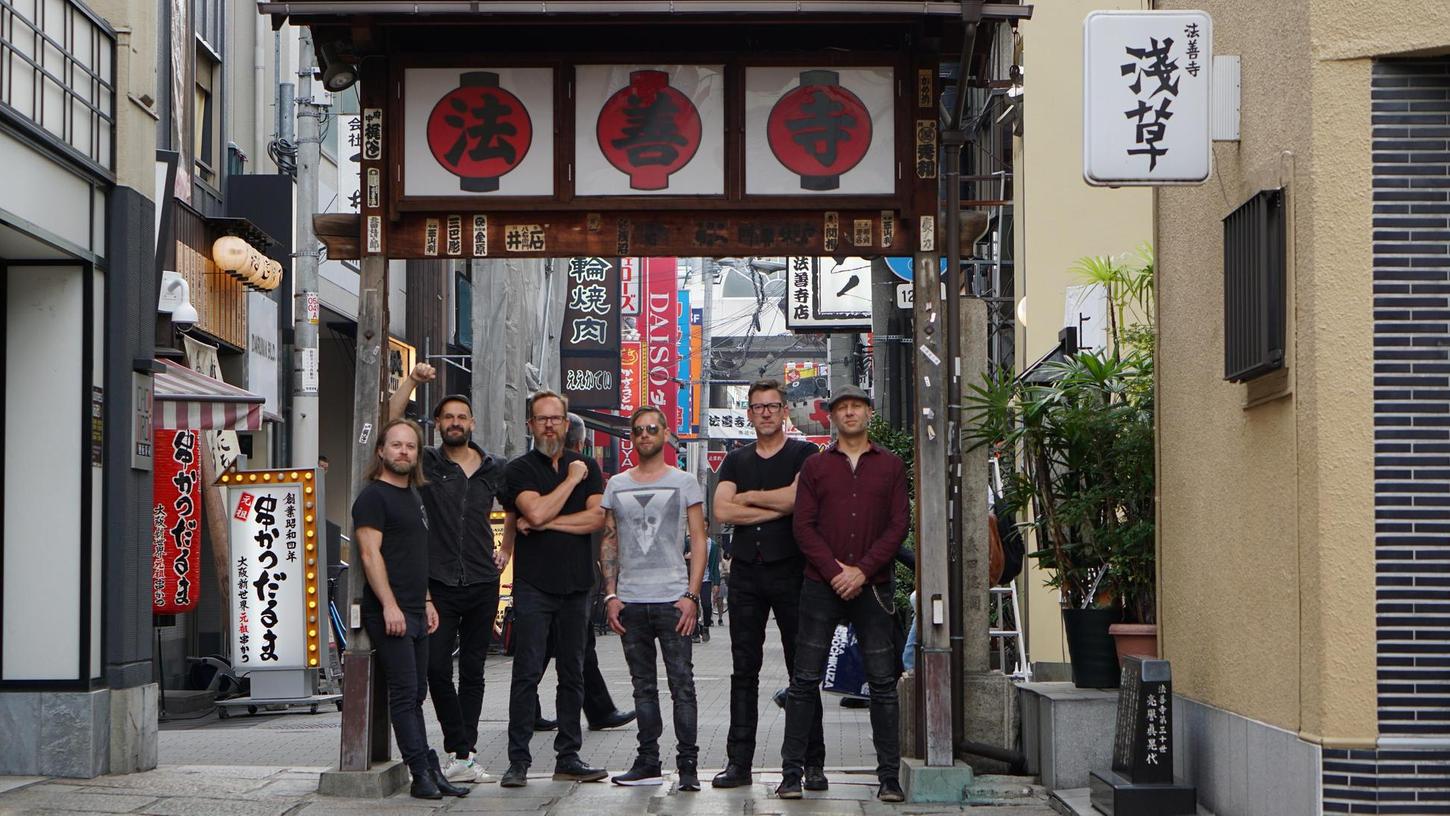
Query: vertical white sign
[(1146, 97), (269, 577)]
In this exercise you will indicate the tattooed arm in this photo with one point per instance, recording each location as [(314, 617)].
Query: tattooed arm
[(609, 569)]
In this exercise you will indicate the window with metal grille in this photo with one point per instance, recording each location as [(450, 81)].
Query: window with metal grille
[(1253, 287)]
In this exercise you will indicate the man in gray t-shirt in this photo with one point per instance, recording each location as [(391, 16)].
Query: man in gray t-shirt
[(651, 596)]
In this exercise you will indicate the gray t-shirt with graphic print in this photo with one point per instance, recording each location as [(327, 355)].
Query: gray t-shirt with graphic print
[(652, 524)]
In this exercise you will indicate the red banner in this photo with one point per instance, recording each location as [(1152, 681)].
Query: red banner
[(175, 516), (661, 333)]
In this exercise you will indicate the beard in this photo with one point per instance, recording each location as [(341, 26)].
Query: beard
[(550, 446), (455, 437), (400, 467)]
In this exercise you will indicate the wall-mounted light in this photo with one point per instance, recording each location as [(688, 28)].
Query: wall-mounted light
[(175, 300), (337, 75)]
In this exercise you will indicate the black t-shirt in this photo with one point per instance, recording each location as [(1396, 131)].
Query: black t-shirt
[(549, 560), (773, 540), (398, 512), (460, 541)]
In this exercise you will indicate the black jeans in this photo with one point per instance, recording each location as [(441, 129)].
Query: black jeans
[(756, 590), (643, 625), (705, 611), (538, 616), (598, 704), (465, 617), (403, 663), (875, 622)]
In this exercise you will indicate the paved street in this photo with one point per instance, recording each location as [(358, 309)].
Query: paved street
[(267, 765)]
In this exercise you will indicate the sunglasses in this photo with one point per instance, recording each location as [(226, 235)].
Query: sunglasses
[(641, 430)]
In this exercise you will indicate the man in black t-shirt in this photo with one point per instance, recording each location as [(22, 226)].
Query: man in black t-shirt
[(553, 500), (756, 493), (462, 481), (391, 528)]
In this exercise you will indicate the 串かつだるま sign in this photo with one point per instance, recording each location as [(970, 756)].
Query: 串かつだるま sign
[(274, 567)]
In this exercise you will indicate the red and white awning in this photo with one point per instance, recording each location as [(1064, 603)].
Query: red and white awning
[(189, 400)]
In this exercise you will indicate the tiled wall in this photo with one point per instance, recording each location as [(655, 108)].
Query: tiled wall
[(1411, 144)]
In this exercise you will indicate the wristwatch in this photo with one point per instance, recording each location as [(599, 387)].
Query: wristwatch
[(693, 597)]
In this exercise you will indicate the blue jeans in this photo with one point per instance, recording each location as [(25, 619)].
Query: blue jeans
[(644, 624), (539, 615), (871, 613)]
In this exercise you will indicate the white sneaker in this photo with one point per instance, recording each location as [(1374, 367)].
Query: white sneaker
[(465, 770)]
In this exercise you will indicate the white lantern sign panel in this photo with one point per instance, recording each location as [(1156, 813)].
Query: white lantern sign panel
[(649, 130), (820, 131), (478, 132)]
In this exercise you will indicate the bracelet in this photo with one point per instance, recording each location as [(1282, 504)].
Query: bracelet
[(427, 600), (611, 597), (693, 597)]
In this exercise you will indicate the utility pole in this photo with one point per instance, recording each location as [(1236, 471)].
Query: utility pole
[(303, 420)]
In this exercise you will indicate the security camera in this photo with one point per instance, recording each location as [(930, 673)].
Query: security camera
[(184, 318), (175, 300)]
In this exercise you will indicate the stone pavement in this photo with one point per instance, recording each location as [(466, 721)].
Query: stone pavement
[(268, 764), (256, 790)]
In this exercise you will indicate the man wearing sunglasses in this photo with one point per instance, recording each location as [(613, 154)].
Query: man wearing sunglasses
[(652, 596), (552, 506), (756, 493)]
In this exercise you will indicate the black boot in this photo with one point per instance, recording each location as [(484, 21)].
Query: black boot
[(440, 781), (423, 785)]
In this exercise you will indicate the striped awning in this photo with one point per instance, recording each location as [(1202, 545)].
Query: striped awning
[(190, 400)]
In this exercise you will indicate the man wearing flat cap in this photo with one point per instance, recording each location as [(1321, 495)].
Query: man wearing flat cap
[(851, 515)]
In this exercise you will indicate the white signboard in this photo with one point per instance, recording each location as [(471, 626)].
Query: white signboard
[(262, 353), (1086, 309), (825, 294), (273, 539), (649, 130), (1146, 95), (734, 423), (478, 132), (820, 131), (349, 167)]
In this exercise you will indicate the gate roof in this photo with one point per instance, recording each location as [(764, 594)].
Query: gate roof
[(306, 10)]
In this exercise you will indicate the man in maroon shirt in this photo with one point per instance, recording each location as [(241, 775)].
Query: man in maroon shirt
[(851, 515)]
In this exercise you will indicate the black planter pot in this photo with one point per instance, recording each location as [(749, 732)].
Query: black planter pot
[(1094, 655)]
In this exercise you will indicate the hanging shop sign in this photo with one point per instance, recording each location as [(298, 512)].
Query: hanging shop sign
[(1146, 97), (274, 569), (175, 522), (649, 130), (661, 334), (824, 294), (631, 376), (478, 132), (589, 346)]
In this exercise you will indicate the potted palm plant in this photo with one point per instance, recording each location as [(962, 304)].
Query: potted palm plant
[(1077, 445)]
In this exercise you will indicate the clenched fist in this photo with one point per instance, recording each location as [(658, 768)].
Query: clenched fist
[(423, 372), (578, 470)]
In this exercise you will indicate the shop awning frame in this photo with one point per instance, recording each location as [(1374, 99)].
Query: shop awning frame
[(184, 399), (307, 9)]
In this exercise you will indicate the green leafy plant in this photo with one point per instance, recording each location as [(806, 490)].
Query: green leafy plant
[(1077, 450)]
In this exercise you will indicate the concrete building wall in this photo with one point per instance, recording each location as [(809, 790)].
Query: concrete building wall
[(1059, 220)]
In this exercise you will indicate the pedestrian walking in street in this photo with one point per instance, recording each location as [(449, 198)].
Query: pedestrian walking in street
[(651, 596), (463, 576), (553, 503), (707, 590), (390, 524), (598, 707), (756, 493), (851, 515)]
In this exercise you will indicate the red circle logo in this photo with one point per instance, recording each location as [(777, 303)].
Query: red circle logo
[(479, 131), (648, 130), (819, 130)]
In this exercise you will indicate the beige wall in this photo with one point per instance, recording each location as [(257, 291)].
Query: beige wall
[(1266, 536), (1059, 220), (135, 24)]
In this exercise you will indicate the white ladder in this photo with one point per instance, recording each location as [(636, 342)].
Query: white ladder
[(1000, 597)]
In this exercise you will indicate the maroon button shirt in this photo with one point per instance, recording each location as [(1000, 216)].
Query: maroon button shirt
[(857, 517)]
